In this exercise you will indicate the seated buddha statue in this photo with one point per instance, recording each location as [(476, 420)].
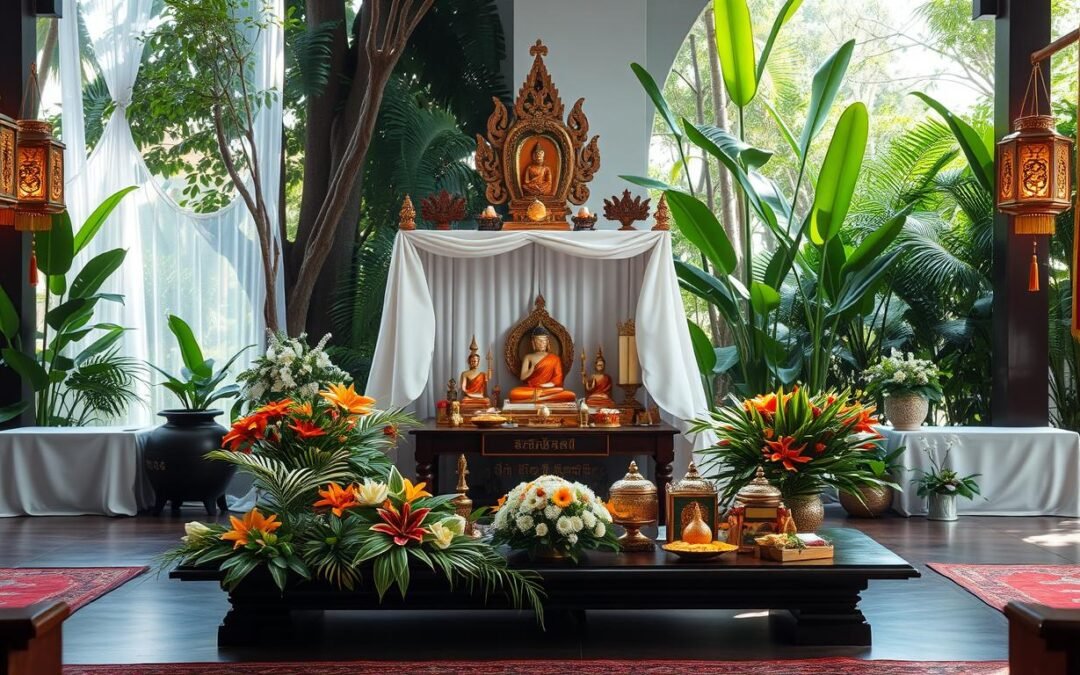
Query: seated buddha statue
[(541, 374), (473, 382), (598, 385), (537, 179)]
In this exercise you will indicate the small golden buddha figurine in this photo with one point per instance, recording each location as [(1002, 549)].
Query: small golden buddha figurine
[(541, 374), (537, 179), (598, 384), (473, 382)]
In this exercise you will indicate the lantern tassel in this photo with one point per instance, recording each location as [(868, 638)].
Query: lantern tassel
[(1033, 273), (33, 269)]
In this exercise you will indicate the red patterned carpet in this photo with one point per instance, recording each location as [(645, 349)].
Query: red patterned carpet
[(76, 586), (1051, 585), (840, 666)]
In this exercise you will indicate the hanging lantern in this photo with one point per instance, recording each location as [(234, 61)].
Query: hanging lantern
[(1033, 168), (8, 197), (40, 179)]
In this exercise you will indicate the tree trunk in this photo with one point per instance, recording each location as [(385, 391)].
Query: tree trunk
[(726, 197)]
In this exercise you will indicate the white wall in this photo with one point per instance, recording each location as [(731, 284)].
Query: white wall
[(592, 43)]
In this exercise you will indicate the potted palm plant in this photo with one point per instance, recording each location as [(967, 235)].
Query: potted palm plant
[(941, 485), (175, 450), (907, 385)]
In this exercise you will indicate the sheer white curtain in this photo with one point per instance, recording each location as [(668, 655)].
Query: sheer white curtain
[(204, 268)]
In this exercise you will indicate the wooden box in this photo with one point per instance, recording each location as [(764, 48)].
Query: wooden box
[(793, 554)]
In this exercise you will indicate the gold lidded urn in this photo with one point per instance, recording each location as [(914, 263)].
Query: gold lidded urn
[(634, 505), (758, 509), (759, 492)]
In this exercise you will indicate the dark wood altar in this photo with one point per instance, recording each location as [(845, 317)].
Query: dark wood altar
[(657, 442)]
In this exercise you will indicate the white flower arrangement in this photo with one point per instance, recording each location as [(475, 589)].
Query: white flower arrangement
[(290, 368), (900, 374), (550, 514)]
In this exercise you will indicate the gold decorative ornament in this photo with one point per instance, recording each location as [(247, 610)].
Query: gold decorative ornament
[(407, 215), (443, 209), (463, 505), (1034, 183), (692, 489), (537, 211), (626, 210), (633, 504), (537, 156), (758, 509), (662, 216)]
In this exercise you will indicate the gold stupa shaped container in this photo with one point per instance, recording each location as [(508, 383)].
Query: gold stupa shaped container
[(633, 503)]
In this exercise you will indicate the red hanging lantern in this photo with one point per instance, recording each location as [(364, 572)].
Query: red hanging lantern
[(1034, 182)]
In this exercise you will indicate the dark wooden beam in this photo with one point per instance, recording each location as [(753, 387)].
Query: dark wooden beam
[(984, 9), (1020, 362), (17, 52)]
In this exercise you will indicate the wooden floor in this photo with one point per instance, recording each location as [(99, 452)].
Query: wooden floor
[(154, 619)]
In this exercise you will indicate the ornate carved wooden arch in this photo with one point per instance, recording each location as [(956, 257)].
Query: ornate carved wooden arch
[(518, 339)]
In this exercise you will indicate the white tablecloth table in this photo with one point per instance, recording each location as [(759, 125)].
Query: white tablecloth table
[(73, 471), (1029, 471)]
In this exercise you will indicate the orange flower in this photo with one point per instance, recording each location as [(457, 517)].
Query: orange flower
[(864, 420), (250, 529), (765, 405), (563, 496), (347, 399), (784, 453), (768, 433), (306, 429), (414, 492), (499, 503), (390, 430), (302, 409), (338, 498), (245, 431), (276, 409)]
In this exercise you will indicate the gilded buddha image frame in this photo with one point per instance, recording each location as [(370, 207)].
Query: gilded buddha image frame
[(559, 343)]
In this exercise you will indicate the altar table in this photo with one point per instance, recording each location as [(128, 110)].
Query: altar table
[(76, 471), (816, 601), (656, 441), (1030, 471)]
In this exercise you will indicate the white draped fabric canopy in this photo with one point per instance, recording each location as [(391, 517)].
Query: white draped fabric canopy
[(444, 287)]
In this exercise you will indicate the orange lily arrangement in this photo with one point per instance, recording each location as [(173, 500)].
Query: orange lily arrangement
[(252, 529), (804, 442)]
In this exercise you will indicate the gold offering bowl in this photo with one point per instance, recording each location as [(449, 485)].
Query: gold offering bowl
[(634, 505)]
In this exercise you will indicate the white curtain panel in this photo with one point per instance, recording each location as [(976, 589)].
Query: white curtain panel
[(444, 287), (205, 268)]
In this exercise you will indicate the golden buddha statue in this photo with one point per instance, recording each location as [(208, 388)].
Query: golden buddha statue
[(598, 384), (537, 179), (541, 373), (473, 382)]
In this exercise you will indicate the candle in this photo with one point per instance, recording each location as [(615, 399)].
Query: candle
[(629, 368), (489, 212), (583, 212)]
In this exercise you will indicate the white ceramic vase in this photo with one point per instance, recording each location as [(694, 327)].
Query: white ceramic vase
[(942, 507), (906, 411)]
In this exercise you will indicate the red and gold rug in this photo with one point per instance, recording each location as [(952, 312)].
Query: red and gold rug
[(77, 586), (1051, 585), (839, 666)]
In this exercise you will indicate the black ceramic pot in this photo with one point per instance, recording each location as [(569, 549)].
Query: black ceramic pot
[(176, 465)]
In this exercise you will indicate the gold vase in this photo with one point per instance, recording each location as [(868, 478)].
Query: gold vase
[(807, 512), (548, 554), (876, 500)]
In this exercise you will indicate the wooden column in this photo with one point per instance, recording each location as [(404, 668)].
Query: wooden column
[(17, 52), (1020, 395)]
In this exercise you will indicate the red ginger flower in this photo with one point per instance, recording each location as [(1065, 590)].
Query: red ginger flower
[(784, 453), (276, 409), (864, 420), (338, 498), (403, 525), (306, 429)]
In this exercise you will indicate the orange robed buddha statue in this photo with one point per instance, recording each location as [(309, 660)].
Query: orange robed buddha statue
[(598, 385), (473, 382), (537, 179), (542, 374)]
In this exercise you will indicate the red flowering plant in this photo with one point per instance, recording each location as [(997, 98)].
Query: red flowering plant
[(333, 507), (804, 443)]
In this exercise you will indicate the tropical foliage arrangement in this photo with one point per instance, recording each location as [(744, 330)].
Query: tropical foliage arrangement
[(290, 365), (803, 441), (97, 382), (199, 385), (335, 509), (896, 375), (550, 516), (940, 480)]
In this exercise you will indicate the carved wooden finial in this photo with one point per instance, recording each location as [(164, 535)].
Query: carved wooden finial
[(662, 215), (407, 216), (538, 49), (443, 209), (626, 210)]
